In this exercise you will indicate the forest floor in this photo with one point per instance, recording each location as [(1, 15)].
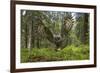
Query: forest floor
[(46, 54)]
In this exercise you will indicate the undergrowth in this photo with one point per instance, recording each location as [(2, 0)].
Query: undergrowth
[(47, 54)]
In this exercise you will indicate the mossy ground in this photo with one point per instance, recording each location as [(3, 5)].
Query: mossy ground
[(47, 54)]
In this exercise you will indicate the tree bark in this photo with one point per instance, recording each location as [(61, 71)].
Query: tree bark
[(30, 36)]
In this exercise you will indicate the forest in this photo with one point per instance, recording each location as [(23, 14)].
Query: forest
[(54, 36)]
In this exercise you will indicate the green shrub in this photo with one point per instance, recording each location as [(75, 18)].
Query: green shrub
[(24, 54), (46, 54)]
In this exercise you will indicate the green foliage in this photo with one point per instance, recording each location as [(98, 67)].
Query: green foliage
[(73, 39), (24, 54), (46, 54), (76, 53)]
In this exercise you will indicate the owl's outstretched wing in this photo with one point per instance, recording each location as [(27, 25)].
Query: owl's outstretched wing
[(49, 34), (66, 28)]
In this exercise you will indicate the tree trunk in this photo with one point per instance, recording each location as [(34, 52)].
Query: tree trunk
[(30, 37), (85, 28), (26, 36)]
